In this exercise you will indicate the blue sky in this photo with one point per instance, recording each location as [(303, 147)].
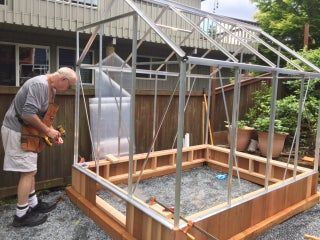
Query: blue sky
[(242, 9)]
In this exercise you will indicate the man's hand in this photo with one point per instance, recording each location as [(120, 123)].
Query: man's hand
[(53, 134), (59, 141)]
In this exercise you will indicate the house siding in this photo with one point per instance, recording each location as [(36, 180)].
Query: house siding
[(62, 15), (52, 23)]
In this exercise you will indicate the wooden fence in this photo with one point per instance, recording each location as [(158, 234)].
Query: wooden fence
[(54, 164)]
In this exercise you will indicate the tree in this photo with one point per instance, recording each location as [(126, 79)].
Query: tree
[(285, 20)]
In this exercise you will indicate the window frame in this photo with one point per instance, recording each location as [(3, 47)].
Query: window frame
[(17, 65), (81, 3), (151, 78), (93, 60)]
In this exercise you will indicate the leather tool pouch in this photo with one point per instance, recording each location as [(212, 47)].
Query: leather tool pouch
[(31, 139)]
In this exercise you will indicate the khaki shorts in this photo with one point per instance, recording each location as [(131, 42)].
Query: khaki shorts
[(15, 159)]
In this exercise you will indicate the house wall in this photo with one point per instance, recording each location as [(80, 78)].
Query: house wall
[(52, 23), (66, 16), (123, 47)]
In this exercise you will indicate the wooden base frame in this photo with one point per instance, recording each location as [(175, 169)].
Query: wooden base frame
[(245, 218)]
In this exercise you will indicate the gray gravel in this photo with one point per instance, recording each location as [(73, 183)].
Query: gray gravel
[(200, 190), (65, 222), (68, 222)]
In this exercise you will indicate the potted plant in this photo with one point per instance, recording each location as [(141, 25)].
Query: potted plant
[(261, 124), (244, 134)]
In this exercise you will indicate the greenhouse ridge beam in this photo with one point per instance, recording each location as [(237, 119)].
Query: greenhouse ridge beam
[(260, 68)]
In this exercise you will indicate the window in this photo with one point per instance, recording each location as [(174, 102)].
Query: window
[(151, 66), (20, 62), (7, 65), (33, 61), (67, 58), (2, 2), (92, 3)]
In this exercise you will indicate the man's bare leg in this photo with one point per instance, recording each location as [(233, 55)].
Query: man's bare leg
[(26, 182)]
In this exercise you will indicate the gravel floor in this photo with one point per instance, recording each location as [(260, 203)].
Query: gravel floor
[(68, 222), (200, 190)]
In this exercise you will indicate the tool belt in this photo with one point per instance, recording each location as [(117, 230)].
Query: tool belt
[(31, 138)]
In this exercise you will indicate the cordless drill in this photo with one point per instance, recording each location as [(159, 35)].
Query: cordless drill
[(49, 141)]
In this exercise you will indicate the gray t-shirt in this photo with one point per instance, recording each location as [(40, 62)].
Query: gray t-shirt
[(32, 98)]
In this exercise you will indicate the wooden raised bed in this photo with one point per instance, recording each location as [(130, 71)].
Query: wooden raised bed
[(245, 218)]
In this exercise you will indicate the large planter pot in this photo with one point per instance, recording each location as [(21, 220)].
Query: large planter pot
[(243, 138), (278, 143)]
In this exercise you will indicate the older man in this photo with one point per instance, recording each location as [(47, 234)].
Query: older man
[(27, 111)]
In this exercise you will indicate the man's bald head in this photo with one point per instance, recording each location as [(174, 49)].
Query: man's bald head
[(69, 74)]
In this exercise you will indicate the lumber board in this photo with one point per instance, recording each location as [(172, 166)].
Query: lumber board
[(90, 189), (289, 212), (109, 225), (245, 174), (160, 171), (239, 218), (111, 211), (112, 158), (142, 156), (310, 237), (257, 158), (145, 228), (162, 211)]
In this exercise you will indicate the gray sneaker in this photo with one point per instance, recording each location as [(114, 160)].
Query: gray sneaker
[(30, 219)]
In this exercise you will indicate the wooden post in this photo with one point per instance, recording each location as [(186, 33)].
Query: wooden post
[(209, 124), (90, 190), (109, 50), (213, 71), (203, 121), (306, 36)]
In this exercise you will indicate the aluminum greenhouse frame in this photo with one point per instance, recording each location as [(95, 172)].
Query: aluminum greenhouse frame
[(157, 226)]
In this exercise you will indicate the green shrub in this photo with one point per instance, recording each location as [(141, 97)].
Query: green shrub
[(261, 107), (262, 124), (287, 108)]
